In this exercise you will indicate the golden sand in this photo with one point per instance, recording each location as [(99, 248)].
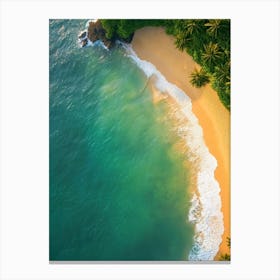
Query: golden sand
[(154, 45)]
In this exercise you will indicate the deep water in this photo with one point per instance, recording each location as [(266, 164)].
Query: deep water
[(118, 187)]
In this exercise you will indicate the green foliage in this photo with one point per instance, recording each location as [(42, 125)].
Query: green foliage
[(213, 27), (192, 27), (124, 28), (199, 78), (110, 26), (207, 41), (182, 40), (228, 241), (226, 257), (211, 55)]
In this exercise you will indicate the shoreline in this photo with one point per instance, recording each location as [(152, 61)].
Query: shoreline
[(176, 66)]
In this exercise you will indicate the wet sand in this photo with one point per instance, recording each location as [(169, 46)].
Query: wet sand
[(154, 45)]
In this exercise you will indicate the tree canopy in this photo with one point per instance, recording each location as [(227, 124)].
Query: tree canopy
[(206, 40)]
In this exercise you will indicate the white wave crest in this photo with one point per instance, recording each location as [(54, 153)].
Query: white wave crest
[(205, 211), (100, 43), (97, 43), (89, 42), (89, 21), (83, 37)]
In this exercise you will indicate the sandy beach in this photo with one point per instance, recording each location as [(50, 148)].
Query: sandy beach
[(154, 45)]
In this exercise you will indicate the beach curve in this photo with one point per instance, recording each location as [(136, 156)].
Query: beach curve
[(154, 45)]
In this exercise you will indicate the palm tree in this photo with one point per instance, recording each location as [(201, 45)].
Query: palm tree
[(211, 54), (222, 73), (228, 241), (199, 78), (192, 26), (224, 257), (227, 53), (182, 40), (213, 27)]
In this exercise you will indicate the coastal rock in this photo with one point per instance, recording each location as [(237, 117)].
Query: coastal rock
[(84, 42), (97, 32), (83, 35)]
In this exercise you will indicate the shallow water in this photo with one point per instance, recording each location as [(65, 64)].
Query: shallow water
[(119, 189)]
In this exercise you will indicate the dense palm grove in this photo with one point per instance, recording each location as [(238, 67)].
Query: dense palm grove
[(207, 41)]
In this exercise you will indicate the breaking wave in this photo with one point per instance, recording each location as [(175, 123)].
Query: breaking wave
[(205, 211)]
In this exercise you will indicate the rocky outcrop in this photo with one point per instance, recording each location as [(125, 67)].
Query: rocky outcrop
[(83, 35), (83, 39), (84, 42), (96, 32)]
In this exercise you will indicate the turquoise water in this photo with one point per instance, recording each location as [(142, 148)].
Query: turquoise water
[(118, 187)]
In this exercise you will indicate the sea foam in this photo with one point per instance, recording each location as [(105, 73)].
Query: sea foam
[(90, 43), (205, 211), (89, 21), (85, 37)]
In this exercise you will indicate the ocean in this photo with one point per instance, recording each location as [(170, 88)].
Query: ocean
[(122, 165)]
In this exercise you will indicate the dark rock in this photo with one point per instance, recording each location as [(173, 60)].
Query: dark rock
[(129, 39), (84, 42), (97, 32), (108, 43), (82, 35)]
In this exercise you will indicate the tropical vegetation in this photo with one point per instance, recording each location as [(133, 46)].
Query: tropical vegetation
[(206, 40), (226, 257), (199, 78)]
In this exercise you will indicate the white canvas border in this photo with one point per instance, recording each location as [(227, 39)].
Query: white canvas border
[(24, 138)]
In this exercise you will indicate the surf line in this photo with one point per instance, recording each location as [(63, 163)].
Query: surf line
[(205, 211)]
